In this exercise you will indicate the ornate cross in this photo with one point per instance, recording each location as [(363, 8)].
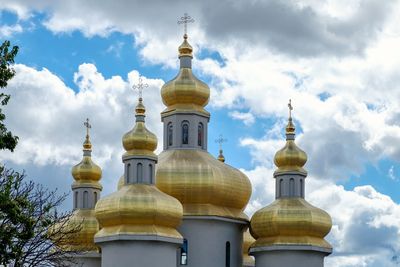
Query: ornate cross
[(220, 141), (140, 86), (290, 108), (185, 20), (88, 126)]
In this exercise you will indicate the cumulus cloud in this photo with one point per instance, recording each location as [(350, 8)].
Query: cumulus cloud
[(298, 28), (48, 117)]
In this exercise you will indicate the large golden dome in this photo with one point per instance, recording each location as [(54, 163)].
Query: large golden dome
[(290, 221), (203, 184), (185, 91), (139, 209)]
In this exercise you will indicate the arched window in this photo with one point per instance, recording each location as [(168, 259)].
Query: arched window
[(139, 173), (301, 188), (76, 200), (184, 252), (185, 133), (169, 134), (128, 173), (200, 134), (280, 187), (228, 254), (95, 197), (151, 173), (291, 187), (85, 199)]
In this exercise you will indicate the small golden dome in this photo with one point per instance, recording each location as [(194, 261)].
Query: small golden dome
[(247, 241), (185, 49), (290, 157), (290, 221), (203, 184), (140, 141), (185, 91), (221, 156), (83, 240), (86, 171), (139, 209)]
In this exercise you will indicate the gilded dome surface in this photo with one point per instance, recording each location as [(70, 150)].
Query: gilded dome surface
[(185, 91), (203, 184), (185, 49), (290, 221), (85, 220), (139, 209), (247, 241), (139, 140)]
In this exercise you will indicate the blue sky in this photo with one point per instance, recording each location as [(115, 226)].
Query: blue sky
[(337, 62)]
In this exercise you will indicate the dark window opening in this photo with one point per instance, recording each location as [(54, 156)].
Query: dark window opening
[(184, 252), (228, 254), (200, 135), (169, 134)]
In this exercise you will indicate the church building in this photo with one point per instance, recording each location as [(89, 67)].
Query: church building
[(185, 207)]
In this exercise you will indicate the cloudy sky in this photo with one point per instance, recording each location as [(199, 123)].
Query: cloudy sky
[(337, 60)]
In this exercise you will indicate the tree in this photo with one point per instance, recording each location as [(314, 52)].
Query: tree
[(7, 55), (31, 229)]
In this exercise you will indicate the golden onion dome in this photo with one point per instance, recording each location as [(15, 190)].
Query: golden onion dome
[(86, 171), (247, 241), (139, 140), (290, 221), (203, 184), (139, 209), (81, 240), (185, 91), (290, 157)]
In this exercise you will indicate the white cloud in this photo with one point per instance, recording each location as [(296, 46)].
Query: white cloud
[(247, 118), (6, 31), (48, 117)]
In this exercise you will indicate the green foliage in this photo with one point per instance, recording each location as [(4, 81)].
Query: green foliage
[(7, 55), (30, 227)]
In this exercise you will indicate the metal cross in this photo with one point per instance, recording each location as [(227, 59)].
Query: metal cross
[(185, 20), (220, 141), (290, 108), (140, 86), (88, 126)]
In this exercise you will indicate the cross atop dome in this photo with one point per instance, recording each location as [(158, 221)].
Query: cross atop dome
[(290, 108), (88, 126), (220, 140), (140, 86), (185, 20)]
